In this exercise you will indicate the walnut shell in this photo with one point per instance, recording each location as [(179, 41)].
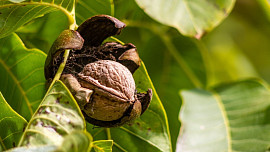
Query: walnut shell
[(114, 89)]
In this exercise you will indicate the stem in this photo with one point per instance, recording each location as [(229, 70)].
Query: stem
[(112, 7), (117, 40), (61, 68), (108, 131), (72, 26), (71, 19)]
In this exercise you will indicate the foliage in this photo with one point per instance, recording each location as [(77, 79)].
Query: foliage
[(185, 45)]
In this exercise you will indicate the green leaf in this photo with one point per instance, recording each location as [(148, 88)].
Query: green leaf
[(22, 75), (41, 32), (78, 141), (86, 9), (57, 115), (11, 125), (233, 117), (149, 132), (13, 15), (191, 18), (103, 145)]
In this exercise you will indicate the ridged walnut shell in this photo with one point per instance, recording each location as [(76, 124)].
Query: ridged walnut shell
[(114, 89)]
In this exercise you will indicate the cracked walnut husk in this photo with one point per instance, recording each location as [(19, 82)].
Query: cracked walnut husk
[(99, 75)]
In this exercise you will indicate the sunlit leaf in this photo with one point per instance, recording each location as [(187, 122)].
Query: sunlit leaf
[(11, 125), (149, 132), (22, 77), (103, 145), (191, 18), (13, 15), (57, 115), (233, 117)]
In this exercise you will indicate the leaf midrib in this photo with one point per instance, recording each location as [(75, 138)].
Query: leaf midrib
[(225, 118)]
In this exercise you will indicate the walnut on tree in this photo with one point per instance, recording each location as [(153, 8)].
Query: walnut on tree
[(99, 75)]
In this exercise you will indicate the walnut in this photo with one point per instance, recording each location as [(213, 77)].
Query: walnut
[(100, 76), (114, 89)]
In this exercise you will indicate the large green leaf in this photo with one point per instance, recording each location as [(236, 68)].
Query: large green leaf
[(233, 117), (13, 15), (86, 9), (11, 125), (57, 116), (148, 133), (22, 77), (190, 17)]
